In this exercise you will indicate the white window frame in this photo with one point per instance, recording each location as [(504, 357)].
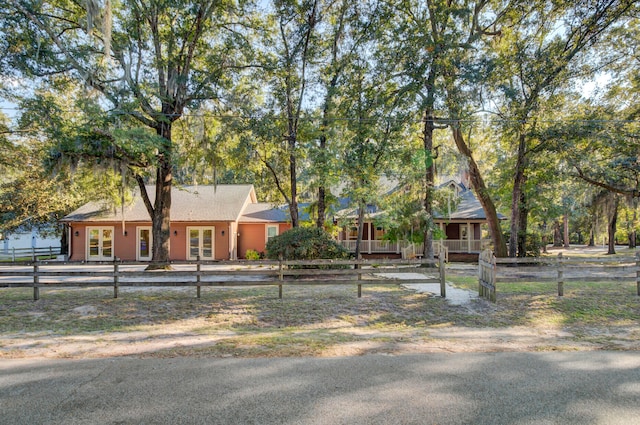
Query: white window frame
[(266, 231), (101, 229), (213, 242), (138, 255)]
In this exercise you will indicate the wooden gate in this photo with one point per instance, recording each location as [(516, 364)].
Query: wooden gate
[(487, 275)]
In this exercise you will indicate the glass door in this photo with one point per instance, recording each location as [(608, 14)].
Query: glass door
[(144, 244), (100, 243), (201, 240)]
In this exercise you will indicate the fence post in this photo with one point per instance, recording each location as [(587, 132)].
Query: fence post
[(116, 277), (198, 276), (638, 272), (481, 276), (50, 251), (36, 281), (280, 277), (358, 267), (560, 275), (33, 253), (13, 250), (494, 275), (443, 284)]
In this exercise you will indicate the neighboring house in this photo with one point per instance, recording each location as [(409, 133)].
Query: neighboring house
[(211, 222), (465, 227), (26, 240)]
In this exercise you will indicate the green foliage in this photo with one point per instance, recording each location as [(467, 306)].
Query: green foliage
[(533, 245), (305, 243), (252, 255)]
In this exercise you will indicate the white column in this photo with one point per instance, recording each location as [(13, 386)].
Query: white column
[(468, 237)]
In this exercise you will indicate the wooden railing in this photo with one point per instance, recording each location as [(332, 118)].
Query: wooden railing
[(382, 246), (560, 270), (15, 254), (374, 246), (117, 274)]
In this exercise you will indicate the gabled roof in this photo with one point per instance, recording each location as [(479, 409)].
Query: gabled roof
[(263, 212), (468, 208), (188, 203)]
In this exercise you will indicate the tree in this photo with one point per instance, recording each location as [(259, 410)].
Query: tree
[(149, 61), (339, 45), (288, 47), (437, 40), (373, 127), (534, 60)]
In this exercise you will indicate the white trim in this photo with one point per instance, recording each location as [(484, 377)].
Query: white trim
[(100, 256), (138, 256), (200, 240)]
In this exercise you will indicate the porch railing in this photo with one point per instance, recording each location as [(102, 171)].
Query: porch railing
[(402, 247), (374, 247)]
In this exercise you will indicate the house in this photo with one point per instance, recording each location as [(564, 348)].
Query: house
[(213, 222), (465, 227), (223, 222)]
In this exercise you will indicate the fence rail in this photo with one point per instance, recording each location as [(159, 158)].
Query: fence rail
[(43, 274), (14, 254), (560, 270)]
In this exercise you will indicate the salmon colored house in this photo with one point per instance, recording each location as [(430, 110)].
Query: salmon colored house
[(213, 222)]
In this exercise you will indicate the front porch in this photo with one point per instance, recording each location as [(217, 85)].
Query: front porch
[(410, 250), (462, 237)]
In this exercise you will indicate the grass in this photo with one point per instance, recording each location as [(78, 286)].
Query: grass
[(313, 320)]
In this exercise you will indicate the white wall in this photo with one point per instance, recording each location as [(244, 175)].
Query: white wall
[(27, 240)]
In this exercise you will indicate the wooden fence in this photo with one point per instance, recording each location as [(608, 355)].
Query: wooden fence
[(487, 275), (117, 274), (560, 270), (14, 254)]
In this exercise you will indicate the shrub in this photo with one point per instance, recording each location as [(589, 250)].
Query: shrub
[(252, 255), (305, 243)]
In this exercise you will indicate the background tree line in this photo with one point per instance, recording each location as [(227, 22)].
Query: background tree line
[(536, 99)]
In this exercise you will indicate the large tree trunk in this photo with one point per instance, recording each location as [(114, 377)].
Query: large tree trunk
[(361, 210), (557, 236), (429, 182), (161, 218), (160, 210), (64, 242), (499, 244), (565, 221), (612, 221), (321, 207), (293, 180), (517, 196), (524, 219)]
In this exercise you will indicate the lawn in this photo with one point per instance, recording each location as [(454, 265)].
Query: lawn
[(314, 321)]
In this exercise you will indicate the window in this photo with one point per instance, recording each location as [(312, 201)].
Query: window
[(271, 231)]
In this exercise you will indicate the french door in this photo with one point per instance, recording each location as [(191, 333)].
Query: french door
[(201, 243), (100, 243)]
